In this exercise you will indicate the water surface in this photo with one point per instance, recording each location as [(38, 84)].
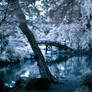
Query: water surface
[(60, 65)]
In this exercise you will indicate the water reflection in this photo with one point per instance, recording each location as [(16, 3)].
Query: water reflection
[(72, 67), (26, 74), (68, 66)]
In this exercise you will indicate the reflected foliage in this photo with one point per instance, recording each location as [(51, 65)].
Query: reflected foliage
[(63, 66)]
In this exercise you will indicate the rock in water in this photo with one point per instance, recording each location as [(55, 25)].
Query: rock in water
[(38, 84), (1, 86), (86, 80), (19, 83)]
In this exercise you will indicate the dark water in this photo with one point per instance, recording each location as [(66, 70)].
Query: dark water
[(67, 66)]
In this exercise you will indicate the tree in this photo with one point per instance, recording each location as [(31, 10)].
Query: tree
[(44, 71)]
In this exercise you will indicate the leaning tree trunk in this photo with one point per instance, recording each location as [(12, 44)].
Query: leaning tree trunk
[(44, 71)]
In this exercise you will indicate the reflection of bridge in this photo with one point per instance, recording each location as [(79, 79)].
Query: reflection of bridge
[(54, 43)]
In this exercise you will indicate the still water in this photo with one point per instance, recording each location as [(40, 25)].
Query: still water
[(60, 65)]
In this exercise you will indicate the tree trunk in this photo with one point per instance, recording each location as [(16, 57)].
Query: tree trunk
[(44, 71)]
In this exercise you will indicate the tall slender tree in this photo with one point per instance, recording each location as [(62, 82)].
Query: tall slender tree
[(44, 71)]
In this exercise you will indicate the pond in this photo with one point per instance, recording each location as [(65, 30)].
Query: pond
[(61, 66)]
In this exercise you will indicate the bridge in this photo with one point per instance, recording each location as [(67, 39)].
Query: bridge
[(54, 43)]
